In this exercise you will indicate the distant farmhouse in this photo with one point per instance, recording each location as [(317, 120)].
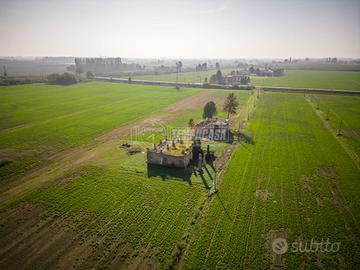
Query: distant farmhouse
[(236, 79), (216, 129)]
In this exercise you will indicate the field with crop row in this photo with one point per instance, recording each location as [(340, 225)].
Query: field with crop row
[(343, 114), (40, 120), (295, 182), (101, 206), (341, 80)]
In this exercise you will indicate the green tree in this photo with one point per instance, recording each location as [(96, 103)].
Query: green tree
[(230, 104), (209, 110), (217, 78), (63, 79), (90, 75)]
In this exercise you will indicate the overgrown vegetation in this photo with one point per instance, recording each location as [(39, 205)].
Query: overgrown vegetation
[(62, 79)]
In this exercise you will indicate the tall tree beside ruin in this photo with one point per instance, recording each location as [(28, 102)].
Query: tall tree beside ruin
[(209, 110), (230, 104)]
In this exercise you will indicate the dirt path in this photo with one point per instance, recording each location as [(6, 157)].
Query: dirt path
[(69, 159)]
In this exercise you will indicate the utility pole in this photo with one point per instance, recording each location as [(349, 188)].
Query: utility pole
[(339, 129), (327, 115), (177, 73)]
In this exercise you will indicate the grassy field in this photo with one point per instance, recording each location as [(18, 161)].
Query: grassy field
[(102, 207), (40, 120), (341, 80), (296, 182), (95, 205), (56, 117), (342, 113), (188, 77)]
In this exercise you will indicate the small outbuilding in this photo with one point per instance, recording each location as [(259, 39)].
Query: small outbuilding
[(216, 129)]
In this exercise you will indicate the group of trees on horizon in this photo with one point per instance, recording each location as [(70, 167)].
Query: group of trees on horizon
[(62, 79), (201, 67), (101, 65), (267, 72)]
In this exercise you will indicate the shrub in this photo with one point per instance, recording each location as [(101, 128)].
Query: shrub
[(90, 75), (62, 79), (134, 150)]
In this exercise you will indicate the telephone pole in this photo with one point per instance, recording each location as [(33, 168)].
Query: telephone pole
[(339, 129)]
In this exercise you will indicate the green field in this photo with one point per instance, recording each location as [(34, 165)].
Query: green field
[(342, 113), (39, 120), (188, 77), (58, 117), (340, 80), (307, 185), (81, 201), (111, 204)]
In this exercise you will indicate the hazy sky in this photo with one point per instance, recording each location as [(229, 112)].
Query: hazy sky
[(183, 28)]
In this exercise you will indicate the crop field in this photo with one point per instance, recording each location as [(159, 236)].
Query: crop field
[(100, 206), (295, 182), (340, 80), (38, 120), (343, 114), (188, 77), (87, 202)]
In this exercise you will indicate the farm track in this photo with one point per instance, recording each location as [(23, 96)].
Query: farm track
[(69, 159)]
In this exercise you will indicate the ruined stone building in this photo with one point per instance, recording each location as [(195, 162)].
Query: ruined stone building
[(174, 153), (216, 129)]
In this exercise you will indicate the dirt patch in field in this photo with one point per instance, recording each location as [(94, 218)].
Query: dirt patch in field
[(5, 162), (319, 201), (305, 180), (142, 258), (33, 238), (276, 245), (262, 194), (326, 172), (12, 154), (338, 200), (30, 240), (222, 160)]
